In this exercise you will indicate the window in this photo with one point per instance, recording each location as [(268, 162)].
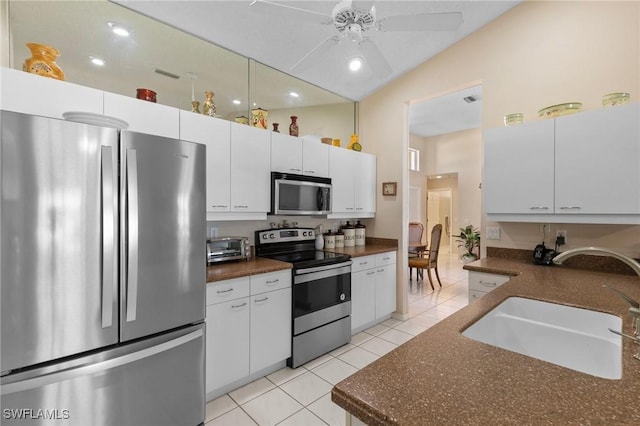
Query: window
[(414, 160)]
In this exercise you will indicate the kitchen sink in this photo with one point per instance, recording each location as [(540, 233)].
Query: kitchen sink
[(567, 336)]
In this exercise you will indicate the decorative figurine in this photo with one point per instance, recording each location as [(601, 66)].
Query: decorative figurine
[(209, 107), (195, 107), (43, 61), (275, 127), (353, 144)]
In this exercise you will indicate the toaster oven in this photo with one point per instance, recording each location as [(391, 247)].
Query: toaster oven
[(222, 249)]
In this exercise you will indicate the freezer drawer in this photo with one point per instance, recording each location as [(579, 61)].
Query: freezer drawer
[(157, 381)]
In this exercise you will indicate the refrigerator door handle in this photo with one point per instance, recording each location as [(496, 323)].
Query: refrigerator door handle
[(132, 234), (98, 367), (109, 229)]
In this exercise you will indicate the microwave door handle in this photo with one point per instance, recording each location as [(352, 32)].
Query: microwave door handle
[(319, 199)]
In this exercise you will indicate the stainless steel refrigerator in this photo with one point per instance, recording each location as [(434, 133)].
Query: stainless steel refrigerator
[(103, 275)]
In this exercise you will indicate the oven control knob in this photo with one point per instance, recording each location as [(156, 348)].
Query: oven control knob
[(272, 236), (342, 297)]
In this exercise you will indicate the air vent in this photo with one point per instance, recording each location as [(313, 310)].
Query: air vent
[(167, 73), (469, 99)]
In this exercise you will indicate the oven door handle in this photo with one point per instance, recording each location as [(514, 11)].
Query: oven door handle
[(322, 268), (328, 273)]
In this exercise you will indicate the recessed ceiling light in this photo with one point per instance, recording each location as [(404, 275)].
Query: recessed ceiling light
[(97, 61), (118, 29), (355, 64), (294, 95), (236, 102)]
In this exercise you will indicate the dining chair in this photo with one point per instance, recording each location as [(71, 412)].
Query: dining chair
[(430, 260), (415, 246)]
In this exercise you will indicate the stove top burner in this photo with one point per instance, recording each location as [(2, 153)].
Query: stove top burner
[(310, 258)]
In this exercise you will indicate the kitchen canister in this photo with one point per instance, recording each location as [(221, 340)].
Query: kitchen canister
[(329, 240), (349, 235), (360, 234), (319, 242), (339, 239)]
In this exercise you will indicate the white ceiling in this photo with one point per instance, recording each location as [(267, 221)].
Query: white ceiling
[(281, 38)]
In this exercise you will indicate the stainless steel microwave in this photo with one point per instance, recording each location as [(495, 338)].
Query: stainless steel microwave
[(293, 194)]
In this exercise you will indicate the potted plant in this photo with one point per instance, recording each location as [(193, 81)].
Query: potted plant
[(469, 238)]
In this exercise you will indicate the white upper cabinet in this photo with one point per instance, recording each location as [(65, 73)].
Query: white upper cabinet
[(286, 153), (598, 162), (365, 183), (518, 169), (353, 178), (341, 170), (33, 94), (571, 169), (315, 158), (250, 169), (216, 135), (290, 154), (143, 116)]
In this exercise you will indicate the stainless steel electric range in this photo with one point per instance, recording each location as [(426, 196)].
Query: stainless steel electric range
[(321, 292)]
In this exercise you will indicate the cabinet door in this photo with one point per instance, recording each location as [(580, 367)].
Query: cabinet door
[(598, 162), (270, 328), (385, 290), (365, 183), (518, 168), (286, 153), (250, 169), (315, 158), (342, 179), (54, 97), (227, 355), (216, 135), (143, 116), (363, 298)]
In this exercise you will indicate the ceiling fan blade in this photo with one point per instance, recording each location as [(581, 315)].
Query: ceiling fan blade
[(273, 8), (378, 64), (422, 22), (314, 54)]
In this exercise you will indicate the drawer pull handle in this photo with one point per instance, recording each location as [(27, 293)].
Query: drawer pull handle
[(240, 207), (264, 299), (242, 305), (570, 208), (386, 258), (364, 263), (225, 291), (371, 273), (488, 283), (539, 208), (272, 282), (380, 270)]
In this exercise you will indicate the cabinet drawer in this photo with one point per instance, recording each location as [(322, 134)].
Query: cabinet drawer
[(362, 263), (484, 282), (386, 258), (271, 281), (222, 291)]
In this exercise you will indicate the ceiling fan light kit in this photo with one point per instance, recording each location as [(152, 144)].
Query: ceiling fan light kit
[(352, 23)]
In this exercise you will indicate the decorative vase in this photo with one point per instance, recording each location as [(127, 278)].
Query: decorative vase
[(319, 242), (209, 107), (195, 107), (42, 61), (293, 127), (242, 120), (275, 127), (259, 118)]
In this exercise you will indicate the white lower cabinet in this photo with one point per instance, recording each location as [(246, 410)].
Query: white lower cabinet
[(481, 283), (248, 328), (373, 289)]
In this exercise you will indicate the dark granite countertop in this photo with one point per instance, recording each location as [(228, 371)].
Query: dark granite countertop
[(442, 377)]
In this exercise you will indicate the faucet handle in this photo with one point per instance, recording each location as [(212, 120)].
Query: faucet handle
[(636, 339)]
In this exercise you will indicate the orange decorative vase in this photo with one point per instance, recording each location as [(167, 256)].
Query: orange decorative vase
[(43, 61)]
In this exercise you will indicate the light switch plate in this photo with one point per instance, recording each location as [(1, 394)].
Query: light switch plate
[(493, 233)]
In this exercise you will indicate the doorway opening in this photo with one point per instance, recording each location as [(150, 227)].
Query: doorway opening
[(441, 208)]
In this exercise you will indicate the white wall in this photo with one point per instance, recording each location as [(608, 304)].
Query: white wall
[(537, 54)]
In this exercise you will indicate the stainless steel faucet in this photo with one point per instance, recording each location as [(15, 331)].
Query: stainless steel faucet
[(634, 309)]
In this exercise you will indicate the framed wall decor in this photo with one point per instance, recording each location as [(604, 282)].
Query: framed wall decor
[(389, 188)]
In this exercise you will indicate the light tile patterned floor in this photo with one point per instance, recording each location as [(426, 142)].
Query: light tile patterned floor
[(302, 397)]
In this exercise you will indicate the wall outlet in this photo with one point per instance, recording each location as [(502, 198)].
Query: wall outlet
[(545, 227), (493, 233), (213, 232), (561, 237)]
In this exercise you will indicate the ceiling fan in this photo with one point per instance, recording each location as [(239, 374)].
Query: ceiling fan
[(352, 20)]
